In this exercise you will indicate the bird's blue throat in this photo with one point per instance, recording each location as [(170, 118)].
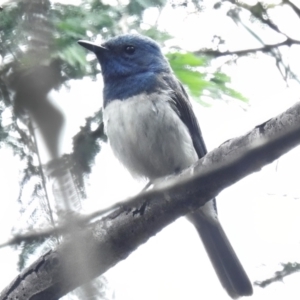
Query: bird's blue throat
[(114, 88)]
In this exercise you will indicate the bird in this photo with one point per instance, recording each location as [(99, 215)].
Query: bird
[(153, 132)]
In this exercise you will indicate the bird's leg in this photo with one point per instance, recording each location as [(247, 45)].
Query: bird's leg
[(149, 183)]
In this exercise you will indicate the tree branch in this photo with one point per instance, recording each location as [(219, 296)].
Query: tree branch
[(217, 53), (264, 48), (260, 12), (287, 269), (91, 251)]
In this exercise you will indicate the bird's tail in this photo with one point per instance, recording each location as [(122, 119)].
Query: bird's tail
[(225, 262)]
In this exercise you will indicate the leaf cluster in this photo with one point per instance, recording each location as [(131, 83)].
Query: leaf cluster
[(192, 71)]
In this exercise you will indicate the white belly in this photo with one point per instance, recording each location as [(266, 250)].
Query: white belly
[(148, 137)]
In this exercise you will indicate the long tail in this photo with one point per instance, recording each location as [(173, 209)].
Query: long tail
[(225, 262)]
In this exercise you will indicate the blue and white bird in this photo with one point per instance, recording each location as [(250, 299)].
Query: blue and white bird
[(153, 131)]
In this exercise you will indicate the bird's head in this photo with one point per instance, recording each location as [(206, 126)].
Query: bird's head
[(128, 55)]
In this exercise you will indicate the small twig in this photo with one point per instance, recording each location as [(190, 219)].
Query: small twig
[(264, 48), (274, 51), (288, 269)]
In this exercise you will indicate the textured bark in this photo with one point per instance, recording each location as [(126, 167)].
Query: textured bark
[(91, 251)]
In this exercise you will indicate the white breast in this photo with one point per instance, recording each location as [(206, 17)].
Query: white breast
[(148, 136)]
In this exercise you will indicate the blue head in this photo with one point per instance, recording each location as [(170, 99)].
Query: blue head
[(130, 65)]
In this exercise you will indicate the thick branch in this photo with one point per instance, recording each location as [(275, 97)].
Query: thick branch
[(93, 250)]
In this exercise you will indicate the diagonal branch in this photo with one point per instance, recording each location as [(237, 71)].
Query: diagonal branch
[(260, 12), (90, 251), (264, 48), (282, 67)]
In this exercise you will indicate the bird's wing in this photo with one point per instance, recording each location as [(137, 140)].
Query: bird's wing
[(226, 263), (182, 105)]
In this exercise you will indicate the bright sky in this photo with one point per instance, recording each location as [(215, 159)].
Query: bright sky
[(260, 214)]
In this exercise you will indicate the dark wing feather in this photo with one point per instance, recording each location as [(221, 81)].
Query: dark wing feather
[(226, 263), (183, 107)]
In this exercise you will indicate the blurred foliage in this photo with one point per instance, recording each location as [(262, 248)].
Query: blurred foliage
[(190, 70), (86, 145)]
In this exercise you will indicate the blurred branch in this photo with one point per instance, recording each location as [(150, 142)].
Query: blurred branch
[(285, 70), (272, 50), (70, 221), (260, 12), (293, 6), (264, 48), (92, 250), (42, 174), (288, 269)]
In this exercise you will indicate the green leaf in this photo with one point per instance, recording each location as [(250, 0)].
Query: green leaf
[(186, 60), (191, 71), (74, 56)]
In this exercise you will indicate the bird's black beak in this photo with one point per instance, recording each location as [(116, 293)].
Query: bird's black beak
[(91, 46)]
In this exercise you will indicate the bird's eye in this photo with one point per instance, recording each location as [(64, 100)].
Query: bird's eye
[(129, 49)]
